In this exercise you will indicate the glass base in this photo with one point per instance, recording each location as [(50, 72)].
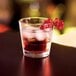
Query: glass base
[(36, 55)]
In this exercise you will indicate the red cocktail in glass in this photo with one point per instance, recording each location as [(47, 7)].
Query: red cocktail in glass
[(36, 42)]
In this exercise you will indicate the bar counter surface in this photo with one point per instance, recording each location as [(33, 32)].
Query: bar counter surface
[(60, 62)]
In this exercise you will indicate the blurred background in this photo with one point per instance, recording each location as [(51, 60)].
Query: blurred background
[(12, 10)]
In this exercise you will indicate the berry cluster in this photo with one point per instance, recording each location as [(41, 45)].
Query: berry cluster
[(49, 23)]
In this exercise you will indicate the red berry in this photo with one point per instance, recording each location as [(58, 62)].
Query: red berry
[(47, 24), (41, 27), (59, 24)]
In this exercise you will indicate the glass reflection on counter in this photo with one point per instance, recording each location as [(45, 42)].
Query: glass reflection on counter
[(35, 67)]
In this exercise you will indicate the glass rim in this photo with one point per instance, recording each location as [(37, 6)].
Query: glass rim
[(31, 24), (41, 18)]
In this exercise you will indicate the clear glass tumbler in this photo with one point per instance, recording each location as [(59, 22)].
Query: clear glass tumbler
[(36, 42)]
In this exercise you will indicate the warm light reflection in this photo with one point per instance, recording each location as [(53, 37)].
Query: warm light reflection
[(25, 1), (59, 10), (35, 67), (55, 11), (34, 8), (47, 67), (21, 68), (4, 28)]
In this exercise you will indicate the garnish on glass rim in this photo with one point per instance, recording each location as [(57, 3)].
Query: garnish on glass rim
[(49, 23)]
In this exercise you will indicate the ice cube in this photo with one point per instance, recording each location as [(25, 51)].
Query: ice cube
[(48, 29), (28, 34), (28, 31), (30, 28), (40, 35), (48, 35)]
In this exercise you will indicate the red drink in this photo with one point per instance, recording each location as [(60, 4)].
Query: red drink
[(36, 42), (35, 46), (36, 33)]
